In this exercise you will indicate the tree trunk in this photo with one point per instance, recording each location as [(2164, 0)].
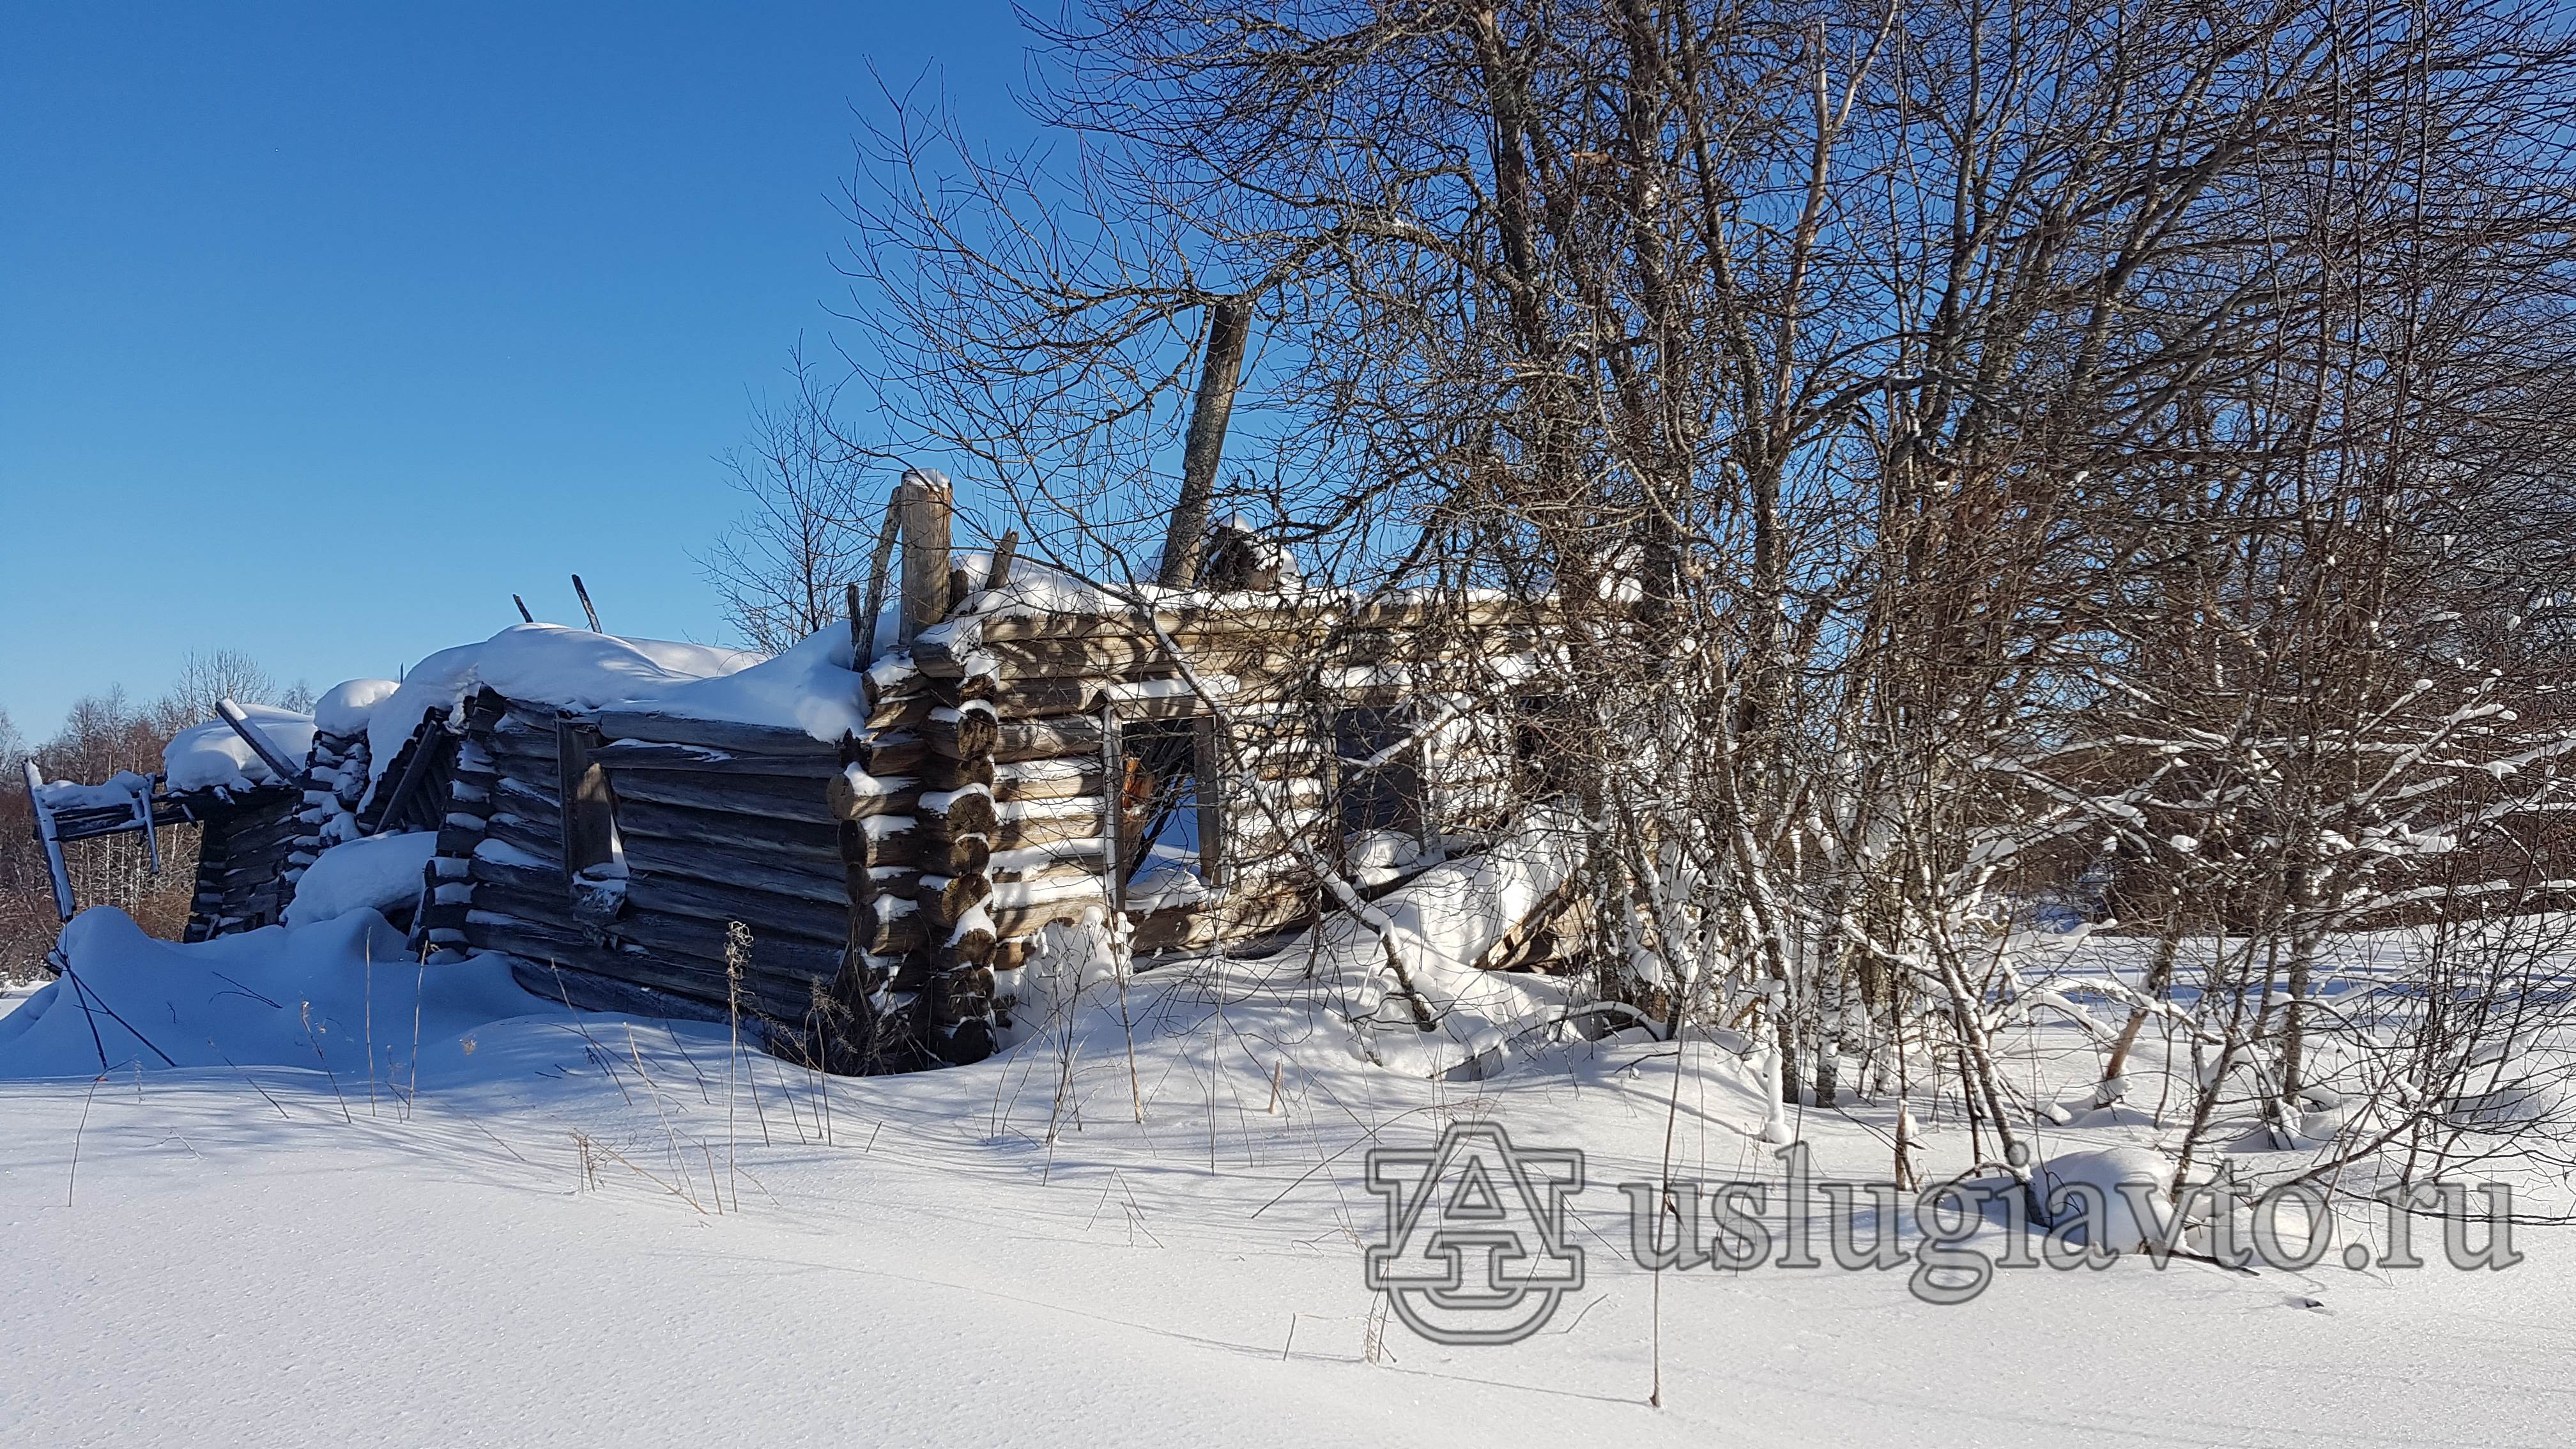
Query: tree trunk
[(1229, 327)]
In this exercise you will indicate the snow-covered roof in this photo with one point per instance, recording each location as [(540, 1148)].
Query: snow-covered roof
[(209, 755), (117, 791), (344, 709), (809, 687)]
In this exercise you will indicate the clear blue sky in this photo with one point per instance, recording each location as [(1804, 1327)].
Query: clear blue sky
[(325, 329)]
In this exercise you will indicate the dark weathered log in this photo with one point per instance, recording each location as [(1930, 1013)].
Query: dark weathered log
[(770, 797), (953, 897), (681, 823), (879, 840), (704, 939), (939, 772), (750, 739), (954, 814), (1015, 834), (961, 734), (592, 991), (534, 837), (537, 880), (823, 921), (621, 756), (845, 801), (713, 861), (514, 796), (889, 926), (962, 857), (735, 872)]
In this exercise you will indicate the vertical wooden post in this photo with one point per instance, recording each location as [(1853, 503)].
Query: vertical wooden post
[(925, 502)]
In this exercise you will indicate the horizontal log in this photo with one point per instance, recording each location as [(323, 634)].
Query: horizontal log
[(826, 921), (676, 822), (518, 875), (733, 873), (515, 796), (781, 995), (1046, 780), (884, 929), (960, 734), (625, 755), (843, 799), (1030, 738), (880, 840), (592, 991), (750, 739), (537, 839), (1232, 918), (775, 951), (952, 814), (771, 797), (1016, 834), (714, 861), (942, 772)]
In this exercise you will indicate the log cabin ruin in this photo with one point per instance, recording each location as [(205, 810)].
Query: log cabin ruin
[(857, 846)]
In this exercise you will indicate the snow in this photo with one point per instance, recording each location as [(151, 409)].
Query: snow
[(376, 873), (396, 1241), (211, 755), (809, 687), (344, 709), (117, 792)]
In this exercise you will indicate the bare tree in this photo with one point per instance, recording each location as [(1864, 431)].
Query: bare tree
[(782, 566)]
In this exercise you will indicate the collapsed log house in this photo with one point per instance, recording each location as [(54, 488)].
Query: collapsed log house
[(1024, 753), (861, 866)]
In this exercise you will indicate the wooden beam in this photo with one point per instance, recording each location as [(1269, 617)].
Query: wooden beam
[(926, 504)]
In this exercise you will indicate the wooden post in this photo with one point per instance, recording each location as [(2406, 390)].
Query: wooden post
[(863, 637), (925, 501), (52, 842), (587, 611)]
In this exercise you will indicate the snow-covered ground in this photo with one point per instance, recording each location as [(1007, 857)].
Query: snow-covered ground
[(380, 1205)]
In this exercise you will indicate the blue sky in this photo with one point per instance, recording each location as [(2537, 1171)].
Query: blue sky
[(324, 330)]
